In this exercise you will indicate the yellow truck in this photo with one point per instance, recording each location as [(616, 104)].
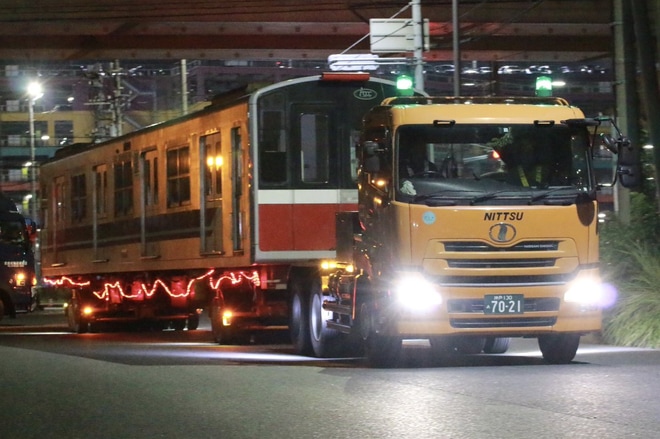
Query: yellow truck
[(477, 221)]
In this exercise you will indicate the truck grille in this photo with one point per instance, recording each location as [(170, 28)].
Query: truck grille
[(501, 263), (477, 246)]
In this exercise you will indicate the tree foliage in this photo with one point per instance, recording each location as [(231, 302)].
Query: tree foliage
[(630, 257)]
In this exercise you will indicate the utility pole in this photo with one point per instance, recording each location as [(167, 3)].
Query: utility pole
[(418, 41), (456, 48)]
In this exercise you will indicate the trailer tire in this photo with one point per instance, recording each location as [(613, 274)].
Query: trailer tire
[(219, 331), (299, 316), (559, 348), (179, 324), (496, 345), (193, 322), (325, 341), (75, 320)]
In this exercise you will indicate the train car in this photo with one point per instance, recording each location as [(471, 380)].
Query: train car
[(230, 209)]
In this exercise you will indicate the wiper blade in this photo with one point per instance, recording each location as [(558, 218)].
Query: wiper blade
[(488, 196), (546, 194)]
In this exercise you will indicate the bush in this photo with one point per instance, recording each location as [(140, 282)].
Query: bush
[(635, 319), (630, 258)]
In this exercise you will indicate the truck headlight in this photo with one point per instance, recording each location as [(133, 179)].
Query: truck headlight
[(590, 292), (413, 291)]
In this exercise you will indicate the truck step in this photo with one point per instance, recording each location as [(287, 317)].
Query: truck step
[(336, 307), (346, 329)]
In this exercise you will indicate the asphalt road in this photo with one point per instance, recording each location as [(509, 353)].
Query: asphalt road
[(181, 385)]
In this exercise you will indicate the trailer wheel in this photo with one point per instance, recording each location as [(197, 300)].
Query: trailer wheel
[(496, 345), (193, 322), (299, 316), (325, 341), (179, 325), (559, 348), (75, 320), (217, 329)]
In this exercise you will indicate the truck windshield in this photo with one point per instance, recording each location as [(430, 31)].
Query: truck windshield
[(12, 232), (487, 162)]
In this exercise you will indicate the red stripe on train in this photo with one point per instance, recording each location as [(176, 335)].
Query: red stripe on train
[(298, 226)]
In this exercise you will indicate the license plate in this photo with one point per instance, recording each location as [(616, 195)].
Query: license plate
[(504, 304)]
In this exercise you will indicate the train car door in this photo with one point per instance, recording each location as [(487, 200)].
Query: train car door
[(210, 147), (317, 166), (148, 170), (237, 189)]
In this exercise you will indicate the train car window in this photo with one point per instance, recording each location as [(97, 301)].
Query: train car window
[(272, 153), (78, 198), (101, 189), (178, 176), (314, 148), (123, 188)]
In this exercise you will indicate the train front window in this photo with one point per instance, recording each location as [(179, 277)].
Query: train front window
[(12, 232), (467, 161), (314, 148)]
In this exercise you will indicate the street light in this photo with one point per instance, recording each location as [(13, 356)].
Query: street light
[(34, 92)]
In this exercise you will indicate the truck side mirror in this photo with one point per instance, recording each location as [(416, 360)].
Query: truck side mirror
[(608, 141), (628, 168), (370, 157)]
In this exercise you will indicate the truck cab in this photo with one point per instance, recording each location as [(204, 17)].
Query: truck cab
[(16, 261), (477, 222)]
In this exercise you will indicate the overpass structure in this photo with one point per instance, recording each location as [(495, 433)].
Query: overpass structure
[(489, 30)]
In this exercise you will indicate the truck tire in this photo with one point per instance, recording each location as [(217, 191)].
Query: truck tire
[(469, 345), (383, 351), (299, 316), (559, 348), (2, 309), (325, 341), (496, 345)]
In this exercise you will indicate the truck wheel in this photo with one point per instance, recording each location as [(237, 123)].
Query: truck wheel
[(441, 347), (299, 317), (559, 348), (470, 345), (496, 345), (325, 341), (75, 320), (383, 350), (193, 322), (2, 309)]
